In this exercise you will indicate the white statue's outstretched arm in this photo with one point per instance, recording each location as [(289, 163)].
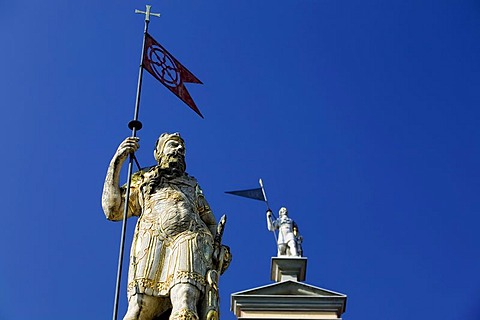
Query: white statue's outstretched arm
[(271, 225), (112, 196)]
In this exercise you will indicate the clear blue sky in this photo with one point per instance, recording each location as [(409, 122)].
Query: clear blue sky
[(362, 117)]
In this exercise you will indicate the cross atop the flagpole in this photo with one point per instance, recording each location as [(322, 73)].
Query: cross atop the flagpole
[(147, 13)]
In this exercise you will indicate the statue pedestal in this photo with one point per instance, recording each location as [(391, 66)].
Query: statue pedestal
[(288, 268)]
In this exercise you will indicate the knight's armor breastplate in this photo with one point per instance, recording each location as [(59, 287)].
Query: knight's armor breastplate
[(286, 224), (285, 229), (172, 210), (172, 244)]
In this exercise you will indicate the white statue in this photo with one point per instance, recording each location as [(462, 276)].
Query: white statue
[(289, 241), (176, 255)]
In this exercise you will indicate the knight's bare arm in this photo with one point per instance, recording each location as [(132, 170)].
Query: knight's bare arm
[(112, 200), (271, 225)]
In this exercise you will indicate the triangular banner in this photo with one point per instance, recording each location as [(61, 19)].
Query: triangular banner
[(169, 71), (256, 194)]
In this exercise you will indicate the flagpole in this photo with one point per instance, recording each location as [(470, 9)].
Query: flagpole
[(268, 207), (135, 125), (264, 194)]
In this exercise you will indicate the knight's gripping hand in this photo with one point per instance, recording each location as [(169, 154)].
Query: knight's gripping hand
[(128, 146)]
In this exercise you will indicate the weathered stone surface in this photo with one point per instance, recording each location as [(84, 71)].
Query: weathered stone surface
[(176, 255)]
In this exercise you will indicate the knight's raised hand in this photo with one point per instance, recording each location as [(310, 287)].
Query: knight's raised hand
[(128, 146), (269, 213)]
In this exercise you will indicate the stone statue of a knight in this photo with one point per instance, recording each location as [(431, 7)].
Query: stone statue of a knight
[(176, 255), (289, 241)]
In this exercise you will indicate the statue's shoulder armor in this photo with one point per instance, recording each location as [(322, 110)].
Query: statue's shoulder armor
[(137, 177)]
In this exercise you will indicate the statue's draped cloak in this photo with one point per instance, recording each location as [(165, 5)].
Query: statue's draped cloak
[(172, 243)]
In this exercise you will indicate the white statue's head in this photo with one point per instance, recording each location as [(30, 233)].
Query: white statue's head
[(170, 149), (283, 212)]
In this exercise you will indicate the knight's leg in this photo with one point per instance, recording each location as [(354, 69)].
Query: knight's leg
[(184, 297), (141, 307), (293, 248), (282, 249)]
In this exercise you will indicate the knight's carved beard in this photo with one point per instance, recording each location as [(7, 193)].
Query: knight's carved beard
[(172, 164)]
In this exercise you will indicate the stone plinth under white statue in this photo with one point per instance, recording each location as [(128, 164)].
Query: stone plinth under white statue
[(288, 268)]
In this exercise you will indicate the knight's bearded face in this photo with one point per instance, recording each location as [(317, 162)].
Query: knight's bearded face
[(173, 156)]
